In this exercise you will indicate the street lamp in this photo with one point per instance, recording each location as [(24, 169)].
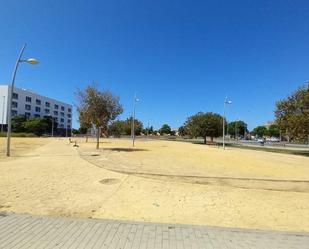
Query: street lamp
[(226, 102), (135, 100), (9, 109)]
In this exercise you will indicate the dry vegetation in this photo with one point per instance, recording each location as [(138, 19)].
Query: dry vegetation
[(20, 146), (159, 181)]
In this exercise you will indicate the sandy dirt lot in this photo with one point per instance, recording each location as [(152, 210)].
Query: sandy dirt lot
[(159, 181), (20, 146)]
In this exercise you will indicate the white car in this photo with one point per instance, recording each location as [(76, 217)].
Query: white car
[(274, 139)]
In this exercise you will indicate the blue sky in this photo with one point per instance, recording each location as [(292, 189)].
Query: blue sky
[(180, 57)]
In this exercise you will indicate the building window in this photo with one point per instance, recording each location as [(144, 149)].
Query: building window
[(61, 125), (68, 126), (38, 102), (62, 114), (56, 119), (62, 108), (27, 114), (56, 113), (69, 110), (47, 104), (14, 112), (15, 96), (27, 107), (14, 104), (37, 109), (47, 111), (61, 120), (56, 107), (69, 121), (69, 115), (37, 115), (28, 99)]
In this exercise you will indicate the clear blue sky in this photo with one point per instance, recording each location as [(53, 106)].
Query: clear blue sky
[(180, 56)]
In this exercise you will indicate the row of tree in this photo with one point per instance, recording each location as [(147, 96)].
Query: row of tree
[(120, 128), (262, 131), (100, 109), (292, 115), (37, 126)]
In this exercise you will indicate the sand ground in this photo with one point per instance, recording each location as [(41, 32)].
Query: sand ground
[(160, 181)]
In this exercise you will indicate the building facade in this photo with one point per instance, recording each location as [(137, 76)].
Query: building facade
[(30, 104)]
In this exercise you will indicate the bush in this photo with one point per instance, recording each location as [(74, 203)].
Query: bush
[(36, 125)]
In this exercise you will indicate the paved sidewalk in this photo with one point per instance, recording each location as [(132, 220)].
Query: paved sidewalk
[(27, 231)]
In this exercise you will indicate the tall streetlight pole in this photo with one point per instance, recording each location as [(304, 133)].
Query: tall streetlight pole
[(9, 109), (3, 103), (226, 102), (135, 100)]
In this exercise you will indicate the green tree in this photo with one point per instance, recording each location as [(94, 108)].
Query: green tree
[(124, 127), (75, 131), (237, 127), (165, 129), (138, 126), (117, 128), (273, 130), (182, 131), (83, 129), (292, 114), (260, 131), (204, 124), (18, 123), (49, 120), (148, 130), (97, 108), (37, 126)]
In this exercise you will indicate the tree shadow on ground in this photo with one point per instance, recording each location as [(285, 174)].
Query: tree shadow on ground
[(125, 149)]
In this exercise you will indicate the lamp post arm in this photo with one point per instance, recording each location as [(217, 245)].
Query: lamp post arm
[(9, 109)]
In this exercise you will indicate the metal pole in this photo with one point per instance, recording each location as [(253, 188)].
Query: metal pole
[(133, 117), (3, 113), (223, 135), (9, 109)]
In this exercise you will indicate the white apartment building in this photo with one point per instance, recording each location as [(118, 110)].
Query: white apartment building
[(30, 104)]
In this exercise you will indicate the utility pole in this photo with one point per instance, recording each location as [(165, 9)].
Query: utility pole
[(135, 100), (226, 101), (10, 96)]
